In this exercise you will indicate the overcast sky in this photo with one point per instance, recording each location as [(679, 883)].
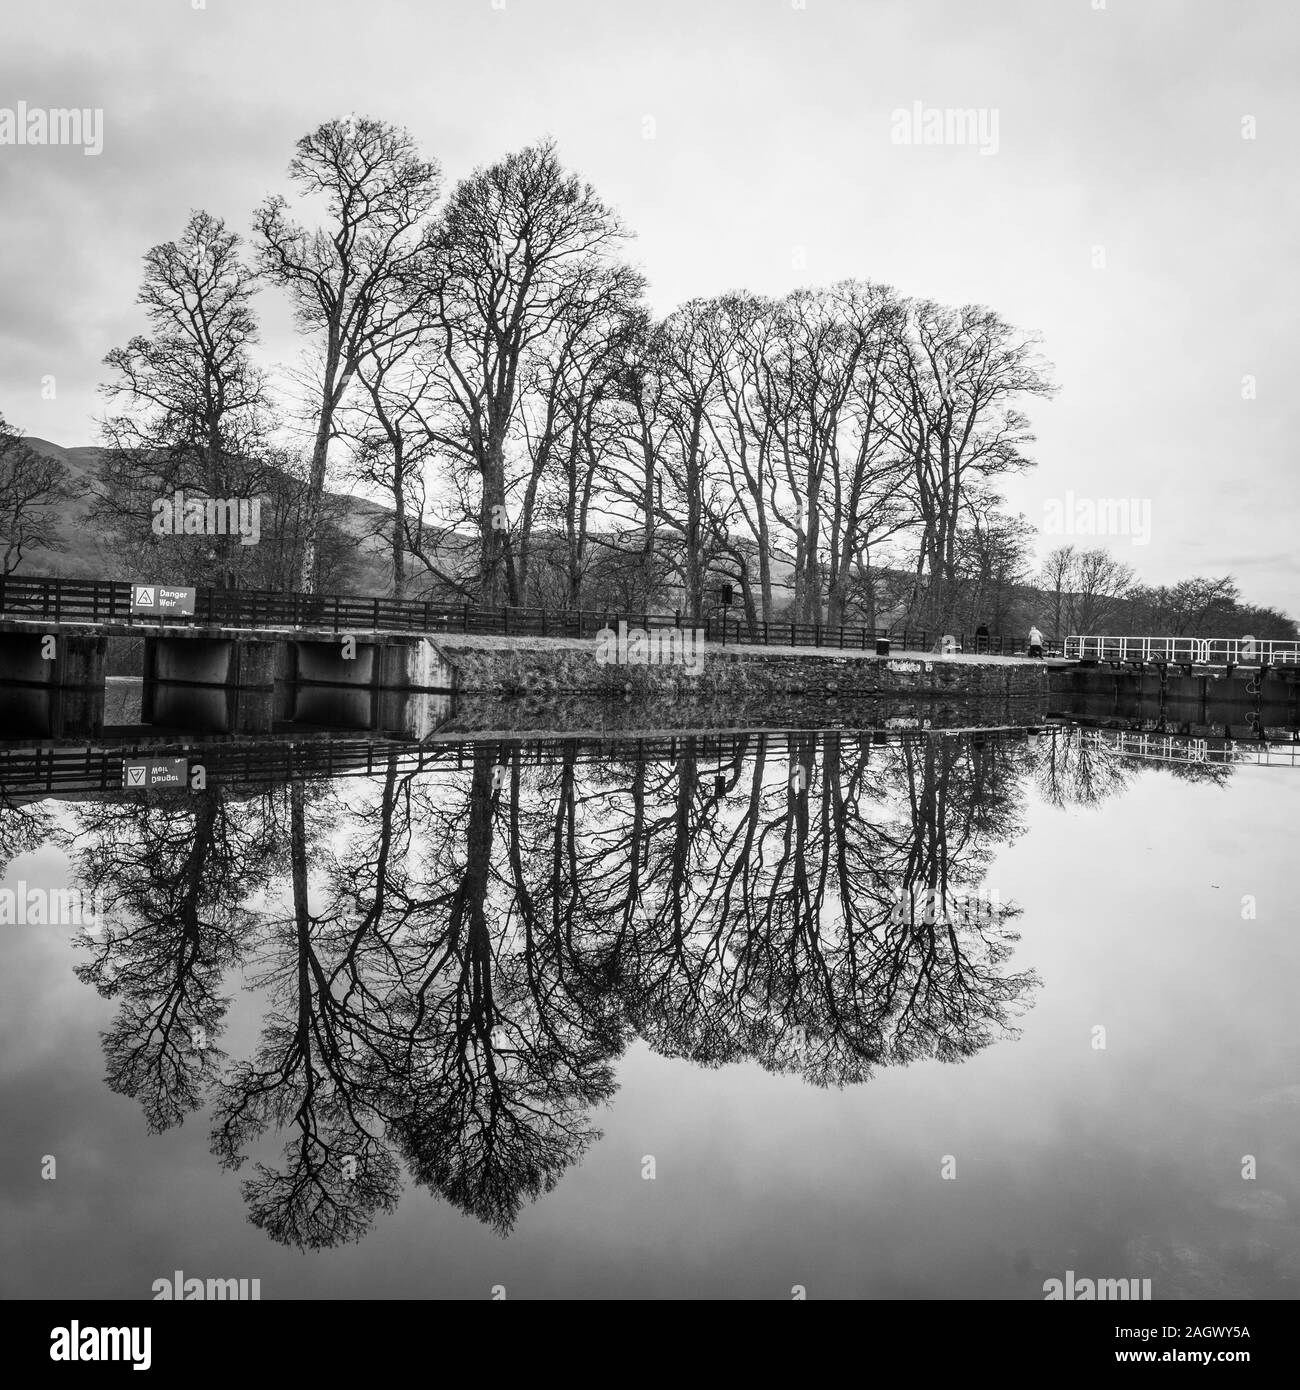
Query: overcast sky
[(771, 165)]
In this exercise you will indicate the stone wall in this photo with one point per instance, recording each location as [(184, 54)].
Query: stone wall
[(548, 666)]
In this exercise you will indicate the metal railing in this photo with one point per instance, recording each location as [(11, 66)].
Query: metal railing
[(1170, 748), (1197, 651), (107, 600), (97, 768)]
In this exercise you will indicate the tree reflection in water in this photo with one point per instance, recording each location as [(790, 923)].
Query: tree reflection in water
[(451, 960)]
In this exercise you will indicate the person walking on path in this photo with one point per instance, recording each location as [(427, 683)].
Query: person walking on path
[(1035, 642)]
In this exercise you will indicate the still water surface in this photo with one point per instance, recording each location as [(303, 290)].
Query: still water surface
[(705, 1017)]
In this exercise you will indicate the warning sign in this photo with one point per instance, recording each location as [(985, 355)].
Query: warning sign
[(142, 774), (175, 601)]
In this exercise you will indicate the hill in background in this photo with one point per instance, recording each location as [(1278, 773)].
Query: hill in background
[(89, 556)]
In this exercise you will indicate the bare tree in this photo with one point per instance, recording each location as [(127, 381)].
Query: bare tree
[(1203, 606), (352, 281), (392, 444), (993, 560), (189, 404), (861, 500), (957, 373), (520, 243), (1086, 588), (1057, 578), (33, 489), (677, 381), (1101, 581), (566, 422), (641, 411)]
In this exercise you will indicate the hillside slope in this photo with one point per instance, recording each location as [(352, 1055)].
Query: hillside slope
[(87, 556)]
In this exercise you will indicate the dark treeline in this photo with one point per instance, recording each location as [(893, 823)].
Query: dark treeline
[(482, 366), (1087, 590)]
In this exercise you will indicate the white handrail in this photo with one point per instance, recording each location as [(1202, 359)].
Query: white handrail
[(1201, 651), (1181, 748)]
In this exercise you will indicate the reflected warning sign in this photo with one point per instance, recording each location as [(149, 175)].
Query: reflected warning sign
[(142, 774)]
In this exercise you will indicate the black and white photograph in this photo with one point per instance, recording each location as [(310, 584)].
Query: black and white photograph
[(648, 652)]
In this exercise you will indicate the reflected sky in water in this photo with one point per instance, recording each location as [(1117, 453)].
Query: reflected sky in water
[(418, 1034)]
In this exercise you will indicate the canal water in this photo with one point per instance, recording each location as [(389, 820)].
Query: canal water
[(917, 1013)]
